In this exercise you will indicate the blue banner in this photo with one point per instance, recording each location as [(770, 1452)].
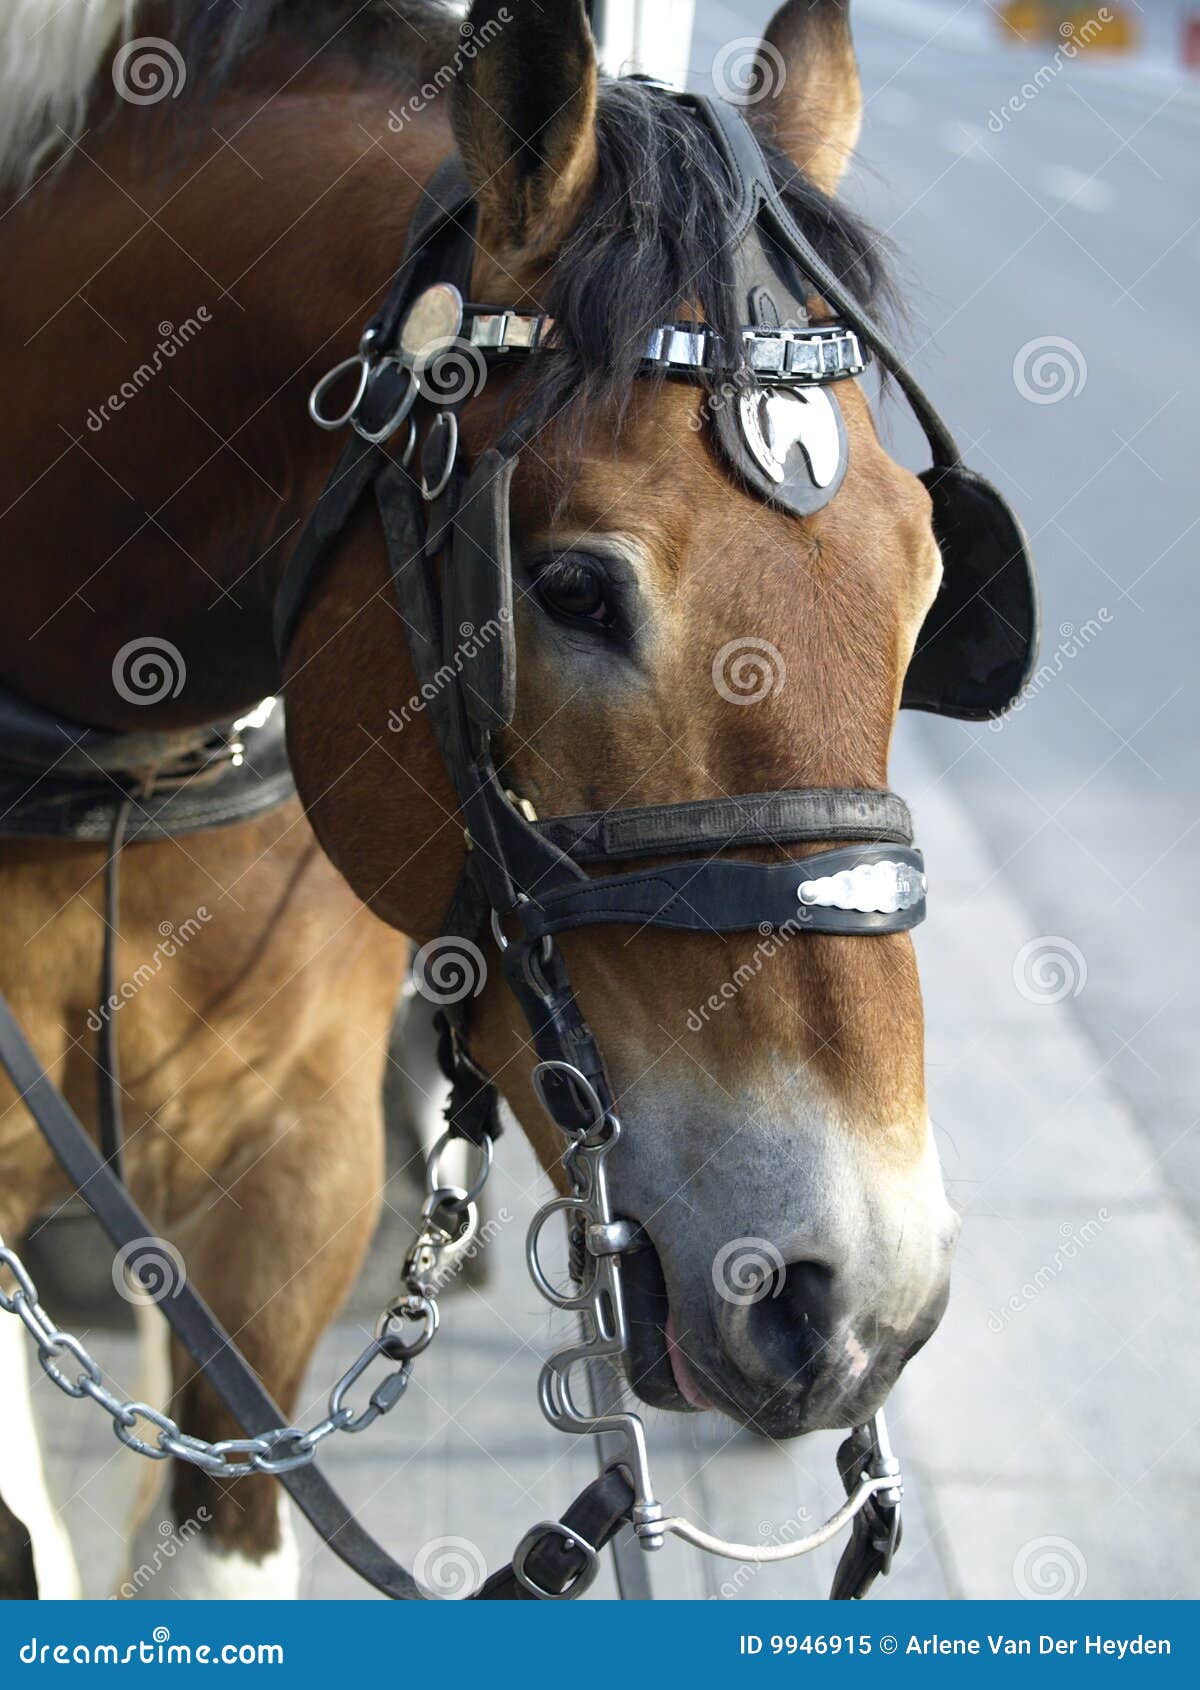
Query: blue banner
[(763, 1643)]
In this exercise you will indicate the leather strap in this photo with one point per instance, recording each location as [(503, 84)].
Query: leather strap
[(792, 817), (557, 1560), (719, 896), (875, 1531)]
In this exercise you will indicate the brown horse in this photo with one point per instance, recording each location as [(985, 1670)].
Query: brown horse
[(267, 206)]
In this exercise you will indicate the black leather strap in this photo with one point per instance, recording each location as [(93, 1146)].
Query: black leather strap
[(108, 1070), (761, 197), (791, 817), (875, 1531), (557, 1559), (719, 896)]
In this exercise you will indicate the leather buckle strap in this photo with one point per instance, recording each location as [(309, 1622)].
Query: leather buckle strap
[(539, 1540), (558, 1559)]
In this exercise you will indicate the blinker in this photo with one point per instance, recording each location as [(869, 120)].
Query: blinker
[(979, 642)]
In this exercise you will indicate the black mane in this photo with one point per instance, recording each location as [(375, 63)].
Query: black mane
[(650, 242)]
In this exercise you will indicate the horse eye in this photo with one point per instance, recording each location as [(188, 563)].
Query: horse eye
[(574, 588)]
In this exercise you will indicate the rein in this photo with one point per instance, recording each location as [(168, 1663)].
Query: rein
[(526, 877)]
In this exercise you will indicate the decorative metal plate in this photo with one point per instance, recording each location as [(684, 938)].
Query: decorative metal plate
[(435, 315), (775, 421)]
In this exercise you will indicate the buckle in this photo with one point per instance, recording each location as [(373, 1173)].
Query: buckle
[(537, 1535)]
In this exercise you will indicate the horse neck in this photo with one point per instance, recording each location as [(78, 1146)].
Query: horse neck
[(160, 329)]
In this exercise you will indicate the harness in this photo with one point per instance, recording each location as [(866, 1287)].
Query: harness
[(528, 878)]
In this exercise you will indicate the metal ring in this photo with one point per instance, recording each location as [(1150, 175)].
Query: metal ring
[(330, 379), (502, 943), (14, 1264), (432, 1168), (571, 1540), (581, 1299), (411, 1308), (603, 1128), (448, 422)]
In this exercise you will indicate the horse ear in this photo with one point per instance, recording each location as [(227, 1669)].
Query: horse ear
[(524, 112), (807, 78)]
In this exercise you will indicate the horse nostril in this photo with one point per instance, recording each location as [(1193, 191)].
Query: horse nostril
[(792, 1317)]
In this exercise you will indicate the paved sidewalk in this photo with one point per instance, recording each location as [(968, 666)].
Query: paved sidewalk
[(1045, 1431)]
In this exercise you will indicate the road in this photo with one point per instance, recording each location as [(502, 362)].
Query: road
[(1047, 1431)]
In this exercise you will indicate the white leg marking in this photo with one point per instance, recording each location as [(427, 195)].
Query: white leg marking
[(22, 1475), (181, 1563), (154, 1387)]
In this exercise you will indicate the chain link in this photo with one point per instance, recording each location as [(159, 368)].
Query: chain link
[(448, 1226)]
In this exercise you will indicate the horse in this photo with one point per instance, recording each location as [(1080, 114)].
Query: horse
[(252, 170)]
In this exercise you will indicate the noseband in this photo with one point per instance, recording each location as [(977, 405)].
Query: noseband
[(533, 878)]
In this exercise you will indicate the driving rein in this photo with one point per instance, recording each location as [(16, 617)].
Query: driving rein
[(530, 879)]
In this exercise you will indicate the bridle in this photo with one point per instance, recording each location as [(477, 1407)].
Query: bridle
[(528, 877)]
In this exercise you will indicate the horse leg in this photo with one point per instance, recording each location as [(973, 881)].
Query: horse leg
[(35, 1552), (275, 1255)]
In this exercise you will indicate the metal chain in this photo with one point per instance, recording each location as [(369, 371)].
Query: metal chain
[(449, 1222)]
